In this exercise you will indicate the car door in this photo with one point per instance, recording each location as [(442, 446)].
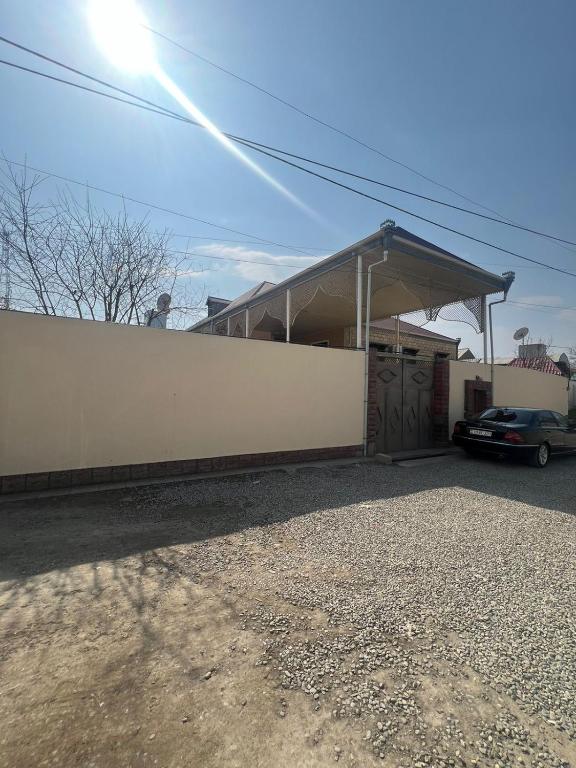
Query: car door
[(568, 430), (551, 430)]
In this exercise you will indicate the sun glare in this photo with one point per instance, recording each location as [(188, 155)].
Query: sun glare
[(118, 28)]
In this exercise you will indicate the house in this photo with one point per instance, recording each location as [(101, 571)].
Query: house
[(326, 304), (386, 334), (543, 364), (389, 273), (466, 355), (536, 357)]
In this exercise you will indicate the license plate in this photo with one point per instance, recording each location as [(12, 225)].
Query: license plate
[(480, 432)]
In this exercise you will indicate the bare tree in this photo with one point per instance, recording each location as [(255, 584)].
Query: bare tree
[(67, 258)]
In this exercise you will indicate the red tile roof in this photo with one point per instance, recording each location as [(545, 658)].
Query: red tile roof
[(542, 364)]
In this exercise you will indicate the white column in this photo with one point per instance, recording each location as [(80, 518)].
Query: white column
[(228, 326), (358, 302), (288, 316), (246, 322), (484, 329)]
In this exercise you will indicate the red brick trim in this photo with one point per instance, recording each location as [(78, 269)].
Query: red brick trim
[(42, 481), (441, 401), (373, 416)]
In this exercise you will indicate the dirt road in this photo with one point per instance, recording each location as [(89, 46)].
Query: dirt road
[(364, 615)]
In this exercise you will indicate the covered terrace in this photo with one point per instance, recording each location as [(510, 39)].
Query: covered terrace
[(328, 300)]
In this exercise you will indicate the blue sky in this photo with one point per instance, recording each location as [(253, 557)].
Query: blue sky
[(477, 95)]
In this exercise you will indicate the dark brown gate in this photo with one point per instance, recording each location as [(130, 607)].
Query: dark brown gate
[(404, 388)]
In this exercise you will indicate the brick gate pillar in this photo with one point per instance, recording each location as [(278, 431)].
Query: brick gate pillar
[(440, 401), (373, 413)]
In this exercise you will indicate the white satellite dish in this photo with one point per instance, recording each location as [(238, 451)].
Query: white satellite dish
[(163, 302), (156, 318), (521, 333)]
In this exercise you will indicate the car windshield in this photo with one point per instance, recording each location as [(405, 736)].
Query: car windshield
[(518, 415)]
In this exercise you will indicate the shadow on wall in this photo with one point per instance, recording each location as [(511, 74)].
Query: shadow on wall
[(58, 533)]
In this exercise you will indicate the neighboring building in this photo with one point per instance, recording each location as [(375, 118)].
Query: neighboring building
[(542, 364), (536, 358), (466, 355), (414, 340)]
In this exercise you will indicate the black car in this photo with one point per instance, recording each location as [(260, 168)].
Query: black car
[(528, 433)]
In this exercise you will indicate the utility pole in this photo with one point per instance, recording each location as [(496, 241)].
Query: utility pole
[(5, 287)]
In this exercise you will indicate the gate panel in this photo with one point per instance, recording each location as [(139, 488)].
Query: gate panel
[(389, 375), (404, 398)]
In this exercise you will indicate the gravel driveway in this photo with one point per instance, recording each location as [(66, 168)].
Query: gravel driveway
[(367, 615)]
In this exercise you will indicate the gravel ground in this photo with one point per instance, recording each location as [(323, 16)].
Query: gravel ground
[(399, 616)]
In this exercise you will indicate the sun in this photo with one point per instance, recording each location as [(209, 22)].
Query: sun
[(119, 28)]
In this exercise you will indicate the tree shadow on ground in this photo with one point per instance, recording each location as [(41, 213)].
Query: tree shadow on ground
[(56, 533)]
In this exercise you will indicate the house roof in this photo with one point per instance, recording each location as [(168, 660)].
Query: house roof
[(466, 354), (443, 278), (216, 298), (504, 360), (542, 364), (251, 293), (389, 324)]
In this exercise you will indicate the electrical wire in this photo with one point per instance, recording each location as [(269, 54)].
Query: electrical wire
[(416, 215), (306, 170), (251, 143), (256, 147), (154, 206), (318, 120), (544, 306)]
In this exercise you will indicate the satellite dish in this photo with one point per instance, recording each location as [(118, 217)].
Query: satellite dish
[(163, 302), (521, 333)]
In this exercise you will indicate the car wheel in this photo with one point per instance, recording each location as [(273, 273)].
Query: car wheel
[(540, 456)]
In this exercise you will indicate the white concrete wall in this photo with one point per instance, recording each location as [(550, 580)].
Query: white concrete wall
[(512, 386), (77, 394), (572, 395)]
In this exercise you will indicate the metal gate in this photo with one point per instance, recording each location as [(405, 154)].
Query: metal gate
[(404, 387)]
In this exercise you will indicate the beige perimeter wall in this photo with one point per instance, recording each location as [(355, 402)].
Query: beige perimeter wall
[(76, 394), (512, 386)]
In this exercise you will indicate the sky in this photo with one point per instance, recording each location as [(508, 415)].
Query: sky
[(478, 96)]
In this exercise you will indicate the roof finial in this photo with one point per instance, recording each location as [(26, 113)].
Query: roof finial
[(388, 224)]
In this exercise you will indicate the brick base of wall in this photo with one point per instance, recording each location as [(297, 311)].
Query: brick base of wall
[(42, 481)]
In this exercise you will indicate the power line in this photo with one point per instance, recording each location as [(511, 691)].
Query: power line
[(313, 173), (307, 170), (340, 131), (544, 306), (255, 147), (242, 242), (416, 215), (318, 120), (170, 211), (251, 143)]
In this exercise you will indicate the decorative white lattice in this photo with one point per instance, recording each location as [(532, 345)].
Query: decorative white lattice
[(340, 283), (238, 324), (274, 307), (221, 328)]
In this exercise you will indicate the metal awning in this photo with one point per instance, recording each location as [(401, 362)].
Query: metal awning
[(417, 275)]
